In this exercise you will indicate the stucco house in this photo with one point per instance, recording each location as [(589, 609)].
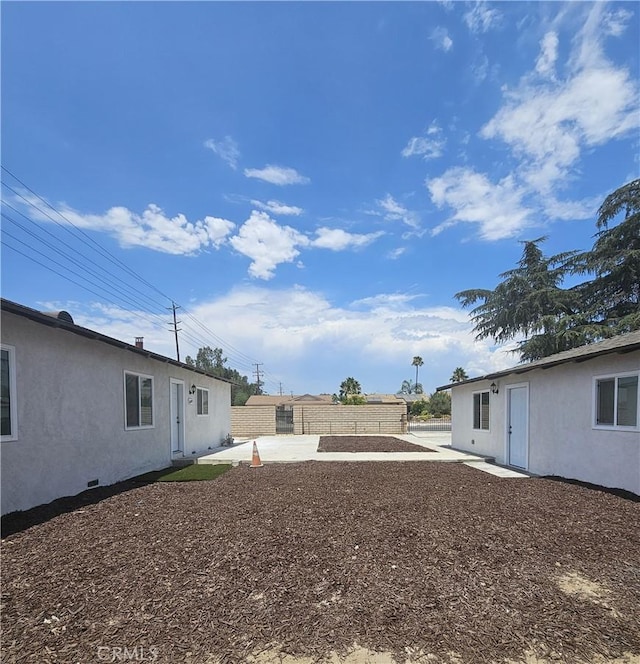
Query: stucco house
[(80, 409), (575, 414)]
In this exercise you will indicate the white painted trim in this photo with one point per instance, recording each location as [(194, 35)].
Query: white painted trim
[(204, 389), (13, 394), (172, 382), (507, 414), (153, 400), (594, 407), (473, 394)]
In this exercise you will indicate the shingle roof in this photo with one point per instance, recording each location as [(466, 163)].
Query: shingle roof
[(623, 343)]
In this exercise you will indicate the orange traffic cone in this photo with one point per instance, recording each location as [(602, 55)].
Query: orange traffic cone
[(255, 458)]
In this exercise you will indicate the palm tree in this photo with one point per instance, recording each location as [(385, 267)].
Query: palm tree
[(409, 387), (458, 375), (349, 387), (417, 362)]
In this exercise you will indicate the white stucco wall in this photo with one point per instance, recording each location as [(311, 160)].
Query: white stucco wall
[(562, 438), (71, 421)]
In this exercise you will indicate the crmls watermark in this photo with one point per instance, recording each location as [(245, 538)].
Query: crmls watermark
[(128, 653)]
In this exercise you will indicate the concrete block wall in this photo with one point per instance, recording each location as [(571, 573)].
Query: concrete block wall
[(247, 421), (379, 419)]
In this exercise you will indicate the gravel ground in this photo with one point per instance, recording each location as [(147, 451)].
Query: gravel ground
[(368, 444), (419, 562)]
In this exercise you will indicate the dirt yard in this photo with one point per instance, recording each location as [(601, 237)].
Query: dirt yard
[(368, 444), (360, 562)]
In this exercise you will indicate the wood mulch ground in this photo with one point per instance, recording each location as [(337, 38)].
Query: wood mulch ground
[(413, 562), (368, 444)]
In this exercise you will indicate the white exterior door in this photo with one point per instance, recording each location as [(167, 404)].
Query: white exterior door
[(518, 426), (177, 417)]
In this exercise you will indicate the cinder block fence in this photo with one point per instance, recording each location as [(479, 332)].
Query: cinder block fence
[(247, 421)]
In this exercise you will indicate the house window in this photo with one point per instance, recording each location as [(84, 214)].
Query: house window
[(138, 400), (8, 411), (481, 410), (202, 401), (617, 401)]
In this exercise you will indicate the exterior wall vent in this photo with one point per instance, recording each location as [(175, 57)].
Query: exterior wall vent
[(60, 315)]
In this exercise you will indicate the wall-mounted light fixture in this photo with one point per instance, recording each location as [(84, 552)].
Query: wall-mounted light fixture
[(192, 389), (494, 388)]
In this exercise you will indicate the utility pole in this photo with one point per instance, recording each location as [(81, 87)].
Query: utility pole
[(173, 307), (280, 389), (259, 391)]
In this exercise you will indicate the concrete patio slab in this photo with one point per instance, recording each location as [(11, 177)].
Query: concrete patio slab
[(293, 448), (499, 471)]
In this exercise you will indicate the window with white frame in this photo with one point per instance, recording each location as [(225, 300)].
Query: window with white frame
[(481, 410), (616, 401), (138, 400), (202, 401), (8, 410)]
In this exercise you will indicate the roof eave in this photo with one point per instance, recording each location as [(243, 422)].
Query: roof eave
[(50, 321)]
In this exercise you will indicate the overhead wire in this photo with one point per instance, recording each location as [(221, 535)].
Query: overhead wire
[(77, 258), (202, 335)]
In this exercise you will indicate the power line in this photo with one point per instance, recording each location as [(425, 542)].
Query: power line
[(76, 258), (89, 240), (126, 292)]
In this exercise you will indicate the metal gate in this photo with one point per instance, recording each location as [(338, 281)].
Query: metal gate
[(284, 419), (434, 424)]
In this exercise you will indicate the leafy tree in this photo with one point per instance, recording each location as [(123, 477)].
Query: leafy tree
[(458, 375), (417, 362), (611, 300), (531, 303), (354, 400), (418, 407), (528, 303), (440, 404), (208, 359), (212, 361)]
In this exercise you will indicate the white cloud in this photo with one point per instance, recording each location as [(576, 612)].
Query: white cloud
[(152, 229), (338, 240), (396, 253), (481, 18), (545, 64), (371, 339), (440, 37), (391, 210), (549, 122), (276, 207), (571, 210), (615, 22), (300, 325), (429, 146), (497, 209), (279, 175), (480, 69), (267, 244), (548, 125), (226, 149)]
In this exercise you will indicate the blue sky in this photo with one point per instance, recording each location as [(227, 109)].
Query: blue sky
[(312, 182)]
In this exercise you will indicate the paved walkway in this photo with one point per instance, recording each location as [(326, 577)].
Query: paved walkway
[(291, 449), (492, 469)]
